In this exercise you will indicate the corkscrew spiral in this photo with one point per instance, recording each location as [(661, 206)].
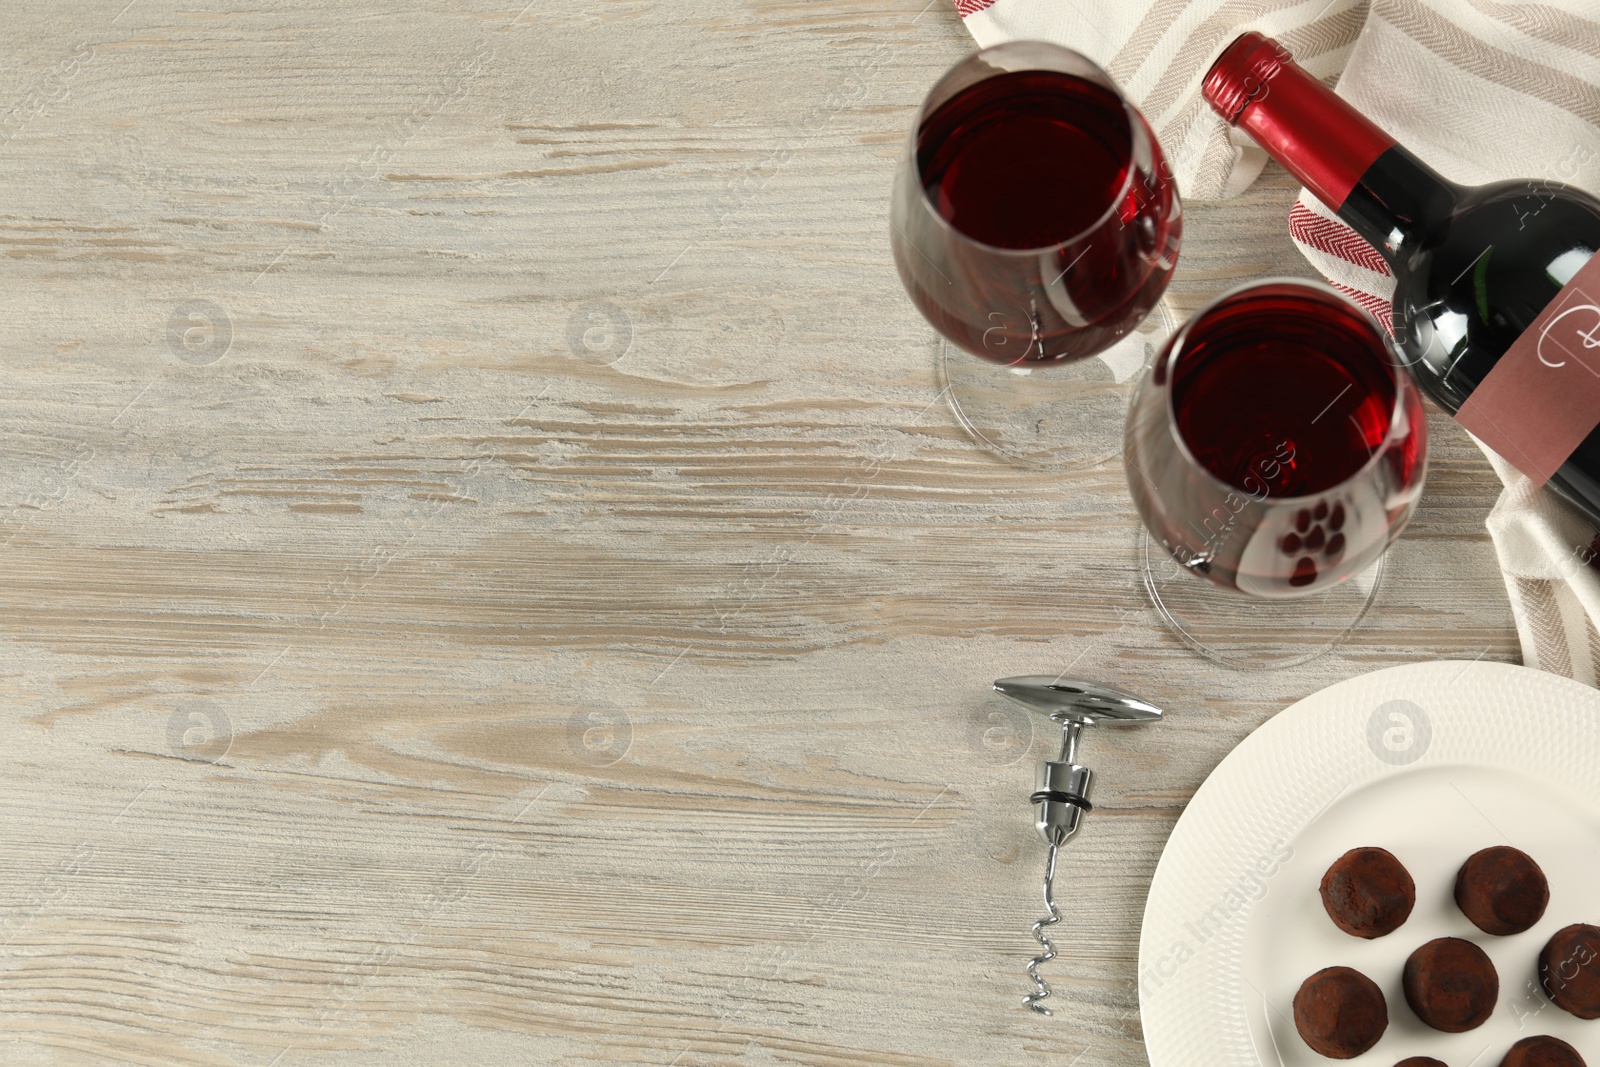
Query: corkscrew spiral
[(1041, 988)]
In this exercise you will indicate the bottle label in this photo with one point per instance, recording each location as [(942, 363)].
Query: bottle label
[(1538, 403)]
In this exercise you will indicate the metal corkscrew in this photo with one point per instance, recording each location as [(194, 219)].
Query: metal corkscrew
[(1061, 793)]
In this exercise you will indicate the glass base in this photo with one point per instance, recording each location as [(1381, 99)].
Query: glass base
[(1062, 416), (1248, 632)]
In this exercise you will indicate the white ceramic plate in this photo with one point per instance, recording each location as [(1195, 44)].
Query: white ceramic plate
[(1431, 761)]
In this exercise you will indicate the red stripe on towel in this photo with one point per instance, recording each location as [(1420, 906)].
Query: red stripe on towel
[(1334, 238), (1381, 309)]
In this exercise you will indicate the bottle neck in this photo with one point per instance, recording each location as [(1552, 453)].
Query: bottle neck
[(1387, 194), (1399, 203)]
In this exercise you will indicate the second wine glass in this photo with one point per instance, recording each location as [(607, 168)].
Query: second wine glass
[(1275, 450), (1036, 224)]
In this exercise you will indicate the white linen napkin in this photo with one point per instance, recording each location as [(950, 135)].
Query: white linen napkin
[(1482, 90), (1549, 558)]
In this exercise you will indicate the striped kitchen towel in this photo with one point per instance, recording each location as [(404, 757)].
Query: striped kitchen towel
[(1482, 90), (1549, 558)]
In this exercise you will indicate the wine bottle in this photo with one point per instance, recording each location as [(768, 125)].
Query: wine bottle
[(1497, 289)]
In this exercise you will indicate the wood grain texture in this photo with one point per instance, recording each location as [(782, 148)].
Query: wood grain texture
[(486, 579)]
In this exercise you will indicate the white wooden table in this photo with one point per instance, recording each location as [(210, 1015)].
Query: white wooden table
[(387, 684)]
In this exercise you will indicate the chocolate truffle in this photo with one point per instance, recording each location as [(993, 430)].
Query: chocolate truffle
[(1368, 892), (1542, 1052), (1421, 1061), (1569, 970), (1340, 1012), (1502, 890), (1451, 984)]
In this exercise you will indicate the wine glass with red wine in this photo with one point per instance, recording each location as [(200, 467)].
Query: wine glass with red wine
[(1274, 451), (1035, 225)]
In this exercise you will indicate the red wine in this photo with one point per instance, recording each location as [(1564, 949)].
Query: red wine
[(1039, 221), (1277, 446), (1491, 304), (1280, 397), (1027, 159)]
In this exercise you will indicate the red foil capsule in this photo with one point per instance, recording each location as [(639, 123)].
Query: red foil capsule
[(1256, 86)]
